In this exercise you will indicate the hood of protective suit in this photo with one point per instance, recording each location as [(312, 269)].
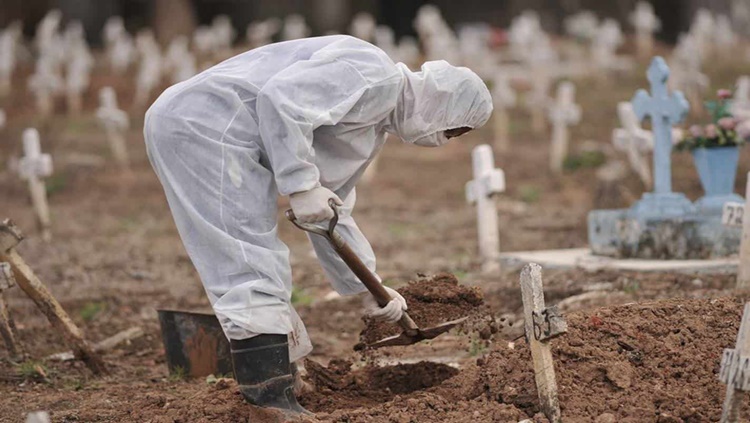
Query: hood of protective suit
[(437, 98)]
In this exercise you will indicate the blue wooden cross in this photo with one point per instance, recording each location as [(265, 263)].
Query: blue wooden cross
[(665, 110)]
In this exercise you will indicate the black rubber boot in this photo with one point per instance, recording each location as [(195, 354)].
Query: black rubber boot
[(262, 369)]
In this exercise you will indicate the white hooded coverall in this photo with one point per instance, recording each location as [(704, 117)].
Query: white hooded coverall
[(282, 119)]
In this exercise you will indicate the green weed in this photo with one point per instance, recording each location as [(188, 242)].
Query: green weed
[(91, 309)]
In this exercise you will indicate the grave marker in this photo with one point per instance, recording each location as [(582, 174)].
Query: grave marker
[(646, 23), (488, 181), (634, 141), (503, 97), (541, 324), (115, 122), (743, 269), (564, 112), (735, 371), (7, 326), (34, 167), (665, 110)]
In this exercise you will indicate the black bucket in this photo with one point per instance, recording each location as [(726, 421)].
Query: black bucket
[(194, 343)]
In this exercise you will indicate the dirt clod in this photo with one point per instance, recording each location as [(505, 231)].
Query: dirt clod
[(432, 301)]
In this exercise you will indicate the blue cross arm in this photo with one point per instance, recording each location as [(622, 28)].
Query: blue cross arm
[(642, 104), (678, 108)]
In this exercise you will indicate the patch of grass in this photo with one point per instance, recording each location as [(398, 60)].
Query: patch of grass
[(177, 374), (91, 309), (55, 183), (477, 347), (398, 230), (75, 385), (631, 287), (529, 193), (460, 274), (300, 297), (584, 160), (31, 369)]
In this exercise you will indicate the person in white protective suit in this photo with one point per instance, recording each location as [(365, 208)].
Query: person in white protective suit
[(302, 119)]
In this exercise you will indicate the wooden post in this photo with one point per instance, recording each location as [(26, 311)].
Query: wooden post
[(735, 364), (563, 113), (33, 167), (541, 324), (7, 326), (10, 236), (743, 268), (481, 191)]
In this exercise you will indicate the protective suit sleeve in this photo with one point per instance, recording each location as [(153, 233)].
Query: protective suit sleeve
[(341, 277), (292, 104)]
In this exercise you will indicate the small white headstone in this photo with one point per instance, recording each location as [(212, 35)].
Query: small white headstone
[(295, 28), (646, 23), (563, 113), (363, 26), (38, 417), (34, 167), (115, 122), (488, 181)]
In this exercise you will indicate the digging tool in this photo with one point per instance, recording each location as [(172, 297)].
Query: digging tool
[(412, 333)]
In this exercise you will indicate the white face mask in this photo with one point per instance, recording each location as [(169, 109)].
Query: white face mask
[(433, 140)]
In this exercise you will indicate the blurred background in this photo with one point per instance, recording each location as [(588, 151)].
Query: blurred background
[(181, 17)]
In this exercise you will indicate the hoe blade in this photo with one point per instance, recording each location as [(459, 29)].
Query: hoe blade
[(422, 335)]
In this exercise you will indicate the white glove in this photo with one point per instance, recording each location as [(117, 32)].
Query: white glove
[(312, 206), (392, 311)]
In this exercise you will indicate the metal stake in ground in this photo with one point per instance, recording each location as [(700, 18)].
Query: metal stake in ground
[(33, 167), (10, 236), (541, 325), (481, 191), (734, 371)]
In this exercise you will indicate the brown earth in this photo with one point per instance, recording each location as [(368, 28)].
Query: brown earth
[(116, 257), (432, 301)]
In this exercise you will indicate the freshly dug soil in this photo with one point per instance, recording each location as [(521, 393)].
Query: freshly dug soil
[(338, 387), (433, 301)]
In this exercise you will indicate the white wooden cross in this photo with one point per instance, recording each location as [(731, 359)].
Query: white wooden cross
[(538, 100), (541, 324), (488, 181), (150, 70), (363, 26), (34, 167), (261, 33), (743, 268), (635, 141), (78, 71), (503, 97), (562, 113), (45, 83), (741, 100), (122, 53), (646, 23), (295, 27), (8, 41), (735, 371), (607, 40), (725, 39), (115, 122)]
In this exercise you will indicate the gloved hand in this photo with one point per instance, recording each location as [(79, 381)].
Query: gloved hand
[(392, 311), (312, 206)]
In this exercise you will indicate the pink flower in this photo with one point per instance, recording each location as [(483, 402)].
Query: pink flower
[(724, 94), (727, 123), (696, 131), (712, 131), (743, 130)]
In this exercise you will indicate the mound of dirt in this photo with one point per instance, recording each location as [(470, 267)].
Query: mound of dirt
[(339, 387), (433, 301)]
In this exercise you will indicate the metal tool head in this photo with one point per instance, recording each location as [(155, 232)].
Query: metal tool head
[(422, 334)]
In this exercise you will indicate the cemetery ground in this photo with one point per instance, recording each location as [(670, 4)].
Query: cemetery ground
[(641, 347)]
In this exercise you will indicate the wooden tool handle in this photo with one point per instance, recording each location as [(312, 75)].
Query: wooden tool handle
[(357, 267)]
